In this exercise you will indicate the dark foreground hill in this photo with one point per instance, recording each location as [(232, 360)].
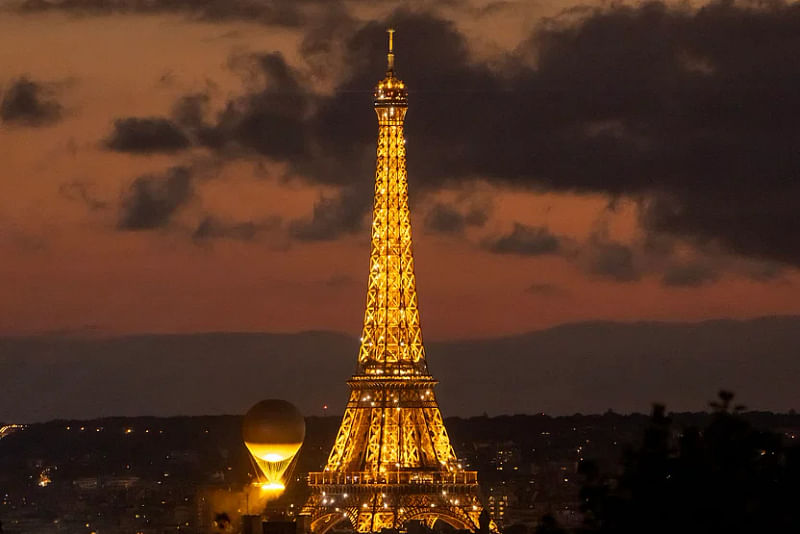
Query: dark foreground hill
[(586, 367)]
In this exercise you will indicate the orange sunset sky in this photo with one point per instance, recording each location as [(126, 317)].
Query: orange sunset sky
[(555, 223)]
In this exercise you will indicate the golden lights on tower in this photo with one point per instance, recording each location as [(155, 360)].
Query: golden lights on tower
[(392, 461)]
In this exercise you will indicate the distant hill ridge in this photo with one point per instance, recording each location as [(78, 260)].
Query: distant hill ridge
[(581, 367)]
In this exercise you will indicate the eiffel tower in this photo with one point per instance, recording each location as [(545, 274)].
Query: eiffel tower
[(392, 461)]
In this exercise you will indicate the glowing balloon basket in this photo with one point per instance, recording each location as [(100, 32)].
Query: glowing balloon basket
[(273, 431)]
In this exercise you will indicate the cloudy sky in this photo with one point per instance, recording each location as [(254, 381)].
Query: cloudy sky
[(207, 165)]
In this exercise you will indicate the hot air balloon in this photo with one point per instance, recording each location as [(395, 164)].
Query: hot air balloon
[(273, 431)]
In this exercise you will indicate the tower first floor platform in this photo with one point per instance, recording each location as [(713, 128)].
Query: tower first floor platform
[(371, 502)]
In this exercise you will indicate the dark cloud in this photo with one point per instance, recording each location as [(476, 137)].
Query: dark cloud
[(146, 135), (332, 217), (190, 110), (525, 241), (697, 122), (689, 274), (324, 43), (654, 102), (151, 201), (211, 227), (269, 121), (27, 102), (272, 12), (546, 290), (81, 192), (764, 271), (435, 63), (20, 239), (741, 217), (610, 259), (447, 219)]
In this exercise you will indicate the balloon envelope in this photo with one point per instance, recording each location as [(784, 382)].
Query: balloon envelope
[(273, 430)]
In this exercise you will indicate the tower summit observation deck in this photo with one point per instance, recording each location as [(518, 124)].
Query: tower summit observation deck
[(392, 461)]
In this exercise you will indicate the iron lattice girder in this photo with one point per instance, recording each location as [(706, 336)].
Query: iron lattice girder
[(414, 480), (370, 508), (386, 428), (392, 461), (391, 333)]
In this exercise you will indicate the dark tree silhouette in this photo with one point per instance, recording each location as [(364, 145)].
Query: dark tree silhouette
[(222, 522), (725, 478), (516, 528), (483, 522), (548, 525)]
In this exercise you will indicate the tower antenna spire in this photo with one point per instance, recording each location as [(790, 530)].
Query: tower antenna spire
[(390, 55)]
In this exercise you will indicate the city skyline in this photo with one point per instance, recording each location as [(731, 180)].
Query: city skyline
[(199, 169)]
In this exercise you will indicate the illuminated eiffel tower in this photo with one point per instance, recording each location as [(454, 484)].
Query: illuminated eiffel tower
[(392, 461)]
